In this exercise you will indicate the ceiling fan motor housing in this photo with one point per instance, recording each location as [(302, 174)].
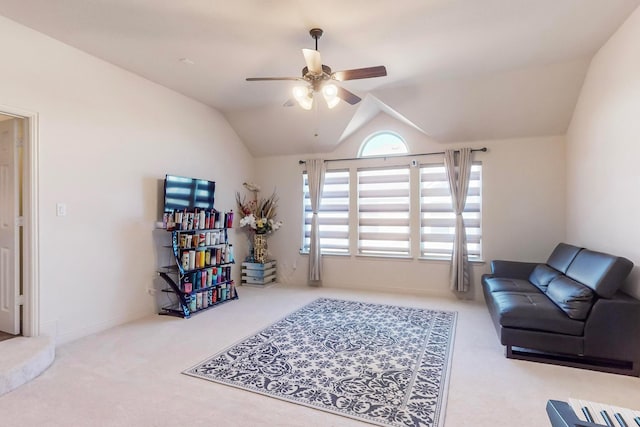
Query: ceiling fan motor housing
[(326, 73), (316, 82)]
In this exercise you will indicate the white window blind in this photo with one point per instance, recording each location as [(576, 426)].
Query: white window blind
[(437, 218), (383, 211), (333, 215)]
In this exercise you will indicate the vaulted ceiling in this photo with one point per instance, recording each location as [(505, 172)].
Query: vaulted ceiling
[(457, 69)]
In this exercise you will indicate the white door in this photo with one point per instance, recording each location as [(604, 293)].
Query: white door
[(9, 244)]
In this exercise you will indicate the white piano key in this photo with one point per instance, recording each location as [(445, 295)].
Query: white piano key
[(621, 414), (604, 407), (635, 414), (630, 416), (577, 405), (627, 415), (607, 417), (595, 408)]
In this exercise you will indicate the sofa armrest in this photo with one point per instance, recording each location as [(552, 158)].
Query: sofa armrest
[(512, 269), (612, 328)]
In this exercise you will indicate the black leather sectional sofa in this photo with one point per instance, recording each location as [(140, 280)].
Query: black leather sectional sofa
[(567, 311)]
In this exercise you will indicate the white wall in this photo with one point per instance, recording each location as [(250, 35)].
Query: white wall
[(523, 212), (603, 148), (107, 138)]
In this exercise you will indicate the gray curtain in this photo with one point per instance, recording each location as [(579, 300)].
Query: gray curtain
[(315, 175), (459, 185)]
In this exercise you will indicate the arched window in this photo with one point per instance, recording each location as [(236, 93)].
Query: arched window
[(383, 144)]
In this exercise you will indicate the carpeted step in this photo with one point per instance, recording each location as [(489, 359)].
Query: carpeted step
[(22, 359)]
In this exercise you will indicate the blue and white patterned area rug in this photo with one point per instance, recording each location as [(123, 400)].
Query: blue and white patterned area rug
[(381, 364)]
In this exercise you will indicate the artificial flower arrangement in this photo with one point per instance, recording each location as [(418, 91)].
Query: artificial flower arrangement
[(258, 214)]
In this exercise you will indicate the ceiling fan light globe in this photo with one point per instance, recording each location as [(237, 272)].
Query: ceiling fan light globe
[(330, 90), (306, 104), (303, 97), (330, 93), (333, 102), (300, 91)]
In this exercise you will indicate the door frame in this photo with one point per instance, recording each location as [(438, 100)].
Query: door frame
[(30, 221)]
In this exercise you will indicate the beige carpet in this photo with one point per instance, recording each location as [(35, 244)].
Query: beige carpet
[(22, 359), (131, 375)]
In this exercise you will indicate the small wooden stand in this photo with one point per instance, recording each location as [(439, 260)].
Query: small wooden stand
[(258, 274)]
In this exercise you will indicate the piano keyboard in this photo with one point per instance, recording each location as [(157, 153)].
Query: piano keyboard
[(574, 414), (606, 415)]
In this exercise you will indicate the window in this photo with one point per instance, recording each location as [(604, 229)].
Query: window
[(333, 215), (383, 143), (383, 211), (437, 219), (400, 211)]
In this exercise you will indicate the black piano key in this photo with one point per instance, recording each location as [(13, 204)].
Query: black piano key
[(621, 420), (587, 414), (606, 418)]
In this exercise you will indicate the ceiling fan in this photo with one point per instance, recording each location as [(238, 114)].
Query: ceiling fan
[(319, 78)]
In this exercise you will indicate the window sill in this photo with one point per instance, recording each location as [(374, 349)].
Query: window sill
[(447, 260), (329, 255), (382, 257), (401, 258), (385, 257)]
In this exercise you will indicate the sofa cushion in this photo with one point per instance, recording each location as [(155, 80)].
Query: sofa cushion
[(502, 284), (534, 311), (562, 255), (542, 275), (601, 272), (572, 297)]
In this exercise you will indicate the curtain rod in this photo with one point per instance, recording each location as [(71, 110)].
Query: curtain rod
[(302, 162)]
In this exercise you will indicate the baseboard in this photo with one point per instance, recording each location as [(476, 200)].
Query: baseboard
[(259, 286), (49, 328), (434, 293), (72, 335)]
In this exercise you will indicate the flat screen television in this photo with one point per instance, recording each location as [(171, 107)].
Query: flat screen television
[(182, 193)]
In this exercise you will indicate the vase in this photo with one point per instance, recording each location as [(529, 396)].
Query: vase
[(250, 258), (260, 248)]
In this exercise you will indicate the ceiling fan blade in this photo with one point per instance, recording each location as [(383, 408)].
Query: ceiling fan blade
[(257, 79), (348, 97), (360, 73), (313, 60), (290, 103)]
